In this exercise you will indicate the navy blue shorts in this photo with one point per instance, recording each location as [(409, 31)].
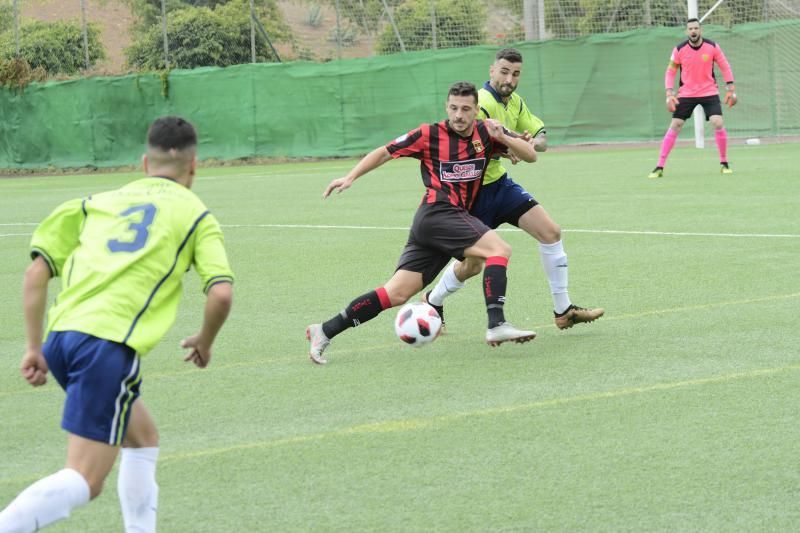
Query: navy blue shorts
[(101, 379), (502, 202)]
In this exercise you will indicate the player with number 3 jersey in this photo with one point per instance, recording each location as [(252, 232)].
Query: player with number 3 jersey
[(121, 256)]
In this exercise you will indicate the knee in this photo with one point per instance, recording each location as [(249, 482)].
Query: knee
[(551, 234), (502, 249), (399, 296)]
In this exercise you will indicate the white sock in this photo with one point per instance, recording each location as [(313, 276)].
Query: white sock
[(448, 284), (137, 489), (554, 260), (47, 501)]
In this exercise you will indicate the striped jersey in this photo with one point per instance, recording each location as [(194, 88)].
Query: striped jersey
[(697, 69), (452, 166), (121, 256)]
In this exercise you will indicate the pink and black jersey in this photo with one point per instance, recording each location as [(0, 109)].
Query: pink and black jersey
[(697, 69), (452, 166)]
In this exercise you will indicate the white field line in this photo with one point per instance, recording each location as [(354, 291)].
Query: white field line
[(405, 228)]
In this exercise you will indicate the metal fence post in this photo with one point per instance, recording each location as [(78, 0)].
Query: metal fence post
[(85, 35), (433, 23), (252, 32), (16, 24), (338, 32), (164, 29)]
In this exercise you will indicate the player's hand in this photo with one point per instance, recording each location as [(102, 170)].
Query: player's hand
[(339, 185), (200, 354), (527, 137), (34, 367), (495, 128), (672, 103), (730, 98), (512, 157)]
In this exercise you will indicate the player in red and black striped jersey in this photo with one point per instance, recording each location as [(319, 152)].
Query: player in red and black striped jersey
[(453, 158)]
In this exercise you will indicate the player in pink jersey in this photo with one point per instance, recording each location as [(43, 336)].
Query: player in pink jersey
[(698, 86)]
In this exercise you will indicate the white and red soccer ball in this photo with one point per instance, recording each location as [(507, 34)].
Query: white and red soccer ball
[(417, 324)]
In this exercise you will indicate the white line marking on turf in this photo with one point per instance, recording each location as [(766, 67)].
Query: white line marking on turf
[(576, 230), (15, 234), (405, 228)]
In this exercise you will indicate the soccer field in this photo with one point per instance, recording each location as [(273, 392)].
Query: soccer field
[(676, 411)]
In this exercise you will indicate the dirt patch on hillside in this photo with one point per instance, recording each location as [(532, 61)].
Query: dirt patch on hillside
[(114, 19)]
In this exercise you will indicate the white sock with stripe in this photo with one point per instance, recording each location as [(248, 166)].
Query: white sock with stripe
[(554, 261), (45, 502), (137, 489), (447, 285)]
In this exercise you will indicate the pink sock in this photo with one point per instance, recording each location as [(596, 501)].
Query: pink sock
[(666, 145), (721, 135)]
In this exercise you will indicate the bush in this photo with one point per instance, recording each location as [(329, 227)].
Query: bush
[(200, 36), (458, 23), (57, 47)]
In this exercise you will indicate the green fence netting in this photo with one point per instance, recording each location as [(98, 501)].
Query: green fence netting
[(603, 88)]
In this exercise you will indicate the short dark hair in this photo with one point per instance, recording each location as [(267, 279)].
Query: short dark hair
[(511, 55), (692, 20), (463, 88), (171, 133)]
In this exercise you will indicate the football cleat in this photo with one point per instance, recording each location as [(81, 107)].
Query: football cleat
[(577, 315), (657, 172), (506, 332), (318, 341), (439, 308), (724, 168)]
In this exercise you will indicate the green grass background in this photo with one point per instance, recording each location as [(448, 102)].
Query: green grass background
[(676, 411)]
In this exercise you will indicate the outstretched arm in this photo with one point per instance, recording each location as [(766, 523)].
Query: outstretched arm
[(218, 305), (370, 162), (34, 299)]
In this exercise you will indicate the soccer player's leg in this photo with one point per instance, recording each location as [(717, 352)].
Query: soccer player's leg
[(713, 110), (682, 112), (101, 379), (538, 223), (405, 283), (496, 252), (458, 272), (136, 483)]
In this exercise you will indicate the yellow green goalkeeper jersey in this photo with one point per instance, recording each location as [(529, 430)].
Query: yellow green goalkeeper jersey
[(514, 115), (121, 256)]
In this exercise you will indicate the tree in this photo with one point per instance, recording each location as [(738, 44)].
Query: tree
[(200, 36), (57, 47), (459, 23)]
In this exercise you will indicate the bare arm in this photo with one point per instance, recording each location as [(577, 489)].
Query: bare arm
[(520, 148), (370, 162), (34, 299), (218, 305), (540, 142)]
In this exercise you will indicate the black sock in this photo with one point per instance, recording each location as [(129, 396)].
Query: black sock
[(494, 289), (362, 309)]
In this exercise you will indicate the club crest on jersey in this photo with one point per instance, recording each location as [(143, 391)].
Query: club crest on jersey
[(478, 145), (460, 171), (706, 58)]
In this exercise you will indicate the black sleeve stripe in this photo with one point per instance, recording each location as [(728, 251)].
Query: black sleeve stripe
[(217, 279), (485, 112), (38, 252), (540, 130), (520, 105)]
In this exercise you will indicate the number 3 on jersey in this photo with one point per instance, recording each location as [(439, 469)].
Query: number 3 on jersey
[(140, 228)]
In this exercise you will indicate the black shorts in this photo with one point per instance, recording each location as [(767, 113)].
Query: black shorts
[(439, 232), (685, 108)]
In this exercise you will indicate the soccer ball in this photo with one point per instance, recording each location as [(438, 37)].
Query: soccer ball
[(417, 324)]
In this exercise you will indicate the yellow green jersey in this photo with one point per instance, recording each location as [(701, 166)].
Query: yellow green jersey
[(121, 256), (514, 115)]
